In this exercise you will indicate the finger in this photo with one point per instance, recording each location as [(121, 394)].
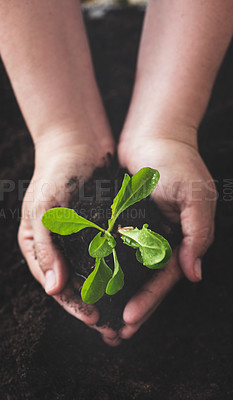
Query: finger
[(130, 329), (86, 313), (109, 336), (152, 293), (106, 332), (44, 260), (27, 246), (198, 229), (73, 304), (145, 302), (50, 260), (112, 342)]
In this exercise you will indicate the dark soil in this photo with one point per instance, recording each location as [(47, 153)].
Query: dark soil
[(95, 205), (185, 351)]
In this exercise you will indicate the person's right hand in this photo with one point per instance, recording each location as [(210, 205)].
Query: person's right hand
[(48, 188)]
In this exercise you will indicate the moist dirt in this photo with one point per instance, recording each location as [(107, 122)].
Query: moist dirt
[(185, 349)]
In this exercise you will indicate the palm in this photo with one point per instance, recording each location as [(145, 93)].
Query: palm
[(49, 188), (185, 194)]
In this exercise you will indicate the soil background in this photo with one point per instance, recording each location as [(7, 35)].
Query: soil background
[(185, 351), (95, 207)]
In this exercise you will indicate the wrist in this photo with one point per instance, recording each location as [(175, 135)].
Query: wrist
[(163, 129), (72, 148), (90, 131), (60, 132)]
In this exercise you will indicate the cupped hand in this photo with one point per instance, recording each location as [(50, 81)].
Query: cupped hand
[(48, 188), (186, 194)]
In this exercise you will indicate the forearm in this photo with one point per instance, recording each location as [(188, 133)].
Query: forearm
[(182, 46), (45, 51)]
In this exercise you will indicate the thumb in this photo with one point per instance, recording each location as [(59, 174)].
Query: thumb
[(45, 262), (198, 229), (50, 261)]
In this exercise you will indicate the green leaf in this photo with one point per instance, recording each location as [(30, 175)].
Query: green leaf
[(137, 188), (110, 238), (138, 256), (101, 246), (116, 283), (140, 186), (118, 198), (65, 221), (168, 252), (153, 250), (95, 285)]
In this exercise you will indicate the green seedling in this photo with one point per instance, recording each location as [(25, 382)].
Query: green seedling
[(152, 249)]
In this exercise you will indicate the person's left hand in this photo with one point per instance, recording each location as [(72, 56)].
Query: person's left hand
[(146, 301), (186, 194)]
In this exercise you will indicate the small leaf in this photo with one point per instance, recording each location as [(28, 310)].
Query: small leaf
[(118, 198), (116, 283), (153, 250), (65, 221), (101, 246), (95, 285), (137, 188), (140, 186), (138, 256), (110, 238), (168, 253)]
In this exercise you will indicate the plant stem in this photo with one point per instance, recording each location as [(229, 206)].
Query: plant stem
[(111, 226)]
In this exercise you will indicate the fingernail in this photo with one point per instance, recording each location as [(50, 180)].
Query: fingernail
[(197, 269), (50, 280)]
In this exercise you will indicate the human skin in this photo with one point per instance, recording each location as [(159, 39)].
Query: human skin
[(182, 46), (63, 111), (45, 51)]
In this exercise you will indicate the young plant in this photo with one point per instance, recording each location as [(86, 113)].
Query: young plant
[(152, 250)]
